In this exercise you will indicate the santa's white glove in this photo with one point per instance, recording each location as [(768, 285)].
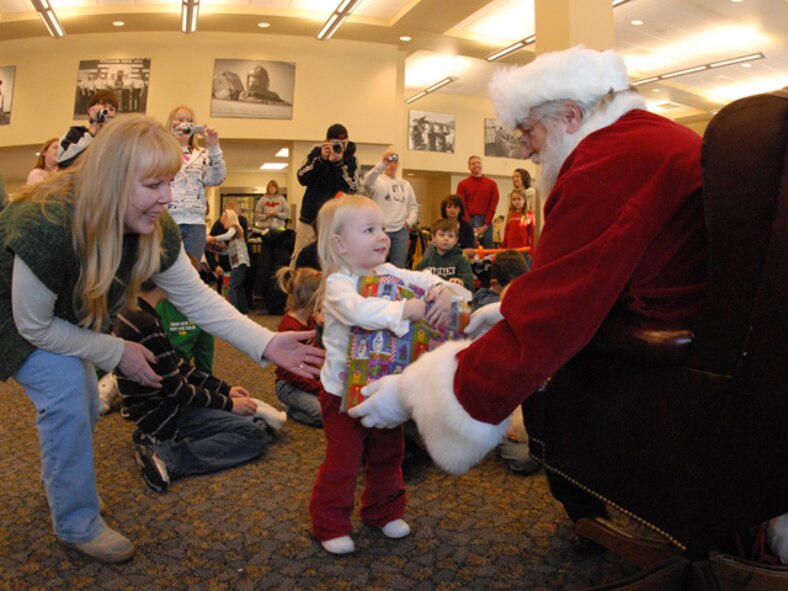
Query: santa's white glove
[(483, 320), (383, 408)]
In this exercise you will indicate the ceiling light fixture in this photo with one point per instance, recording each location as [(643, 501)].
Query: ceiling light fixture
[(431, 88), (406, 38), (336, 19), (636, 23), (273, 166), (263, 25), (684, 71), (118, 24), (283, 153), (190, 10), (518, 45), (47, 14)]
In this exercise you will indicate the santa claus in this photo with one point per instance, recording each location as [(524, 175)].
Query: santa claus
[(623, 225)]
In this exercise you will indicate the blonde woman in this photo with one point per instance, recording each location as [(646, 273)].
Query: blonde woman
[(74, 249), (200, 168), (45, 163)]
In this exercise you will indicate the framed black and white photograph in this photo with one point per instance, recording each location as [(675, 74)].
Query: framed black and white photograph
[(431, 132), (7, 74), (128, 78), (500, 142), (253, 88)]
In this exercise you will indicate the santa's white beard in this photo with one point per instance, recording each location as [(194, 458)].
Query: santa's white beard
[(557, 147)]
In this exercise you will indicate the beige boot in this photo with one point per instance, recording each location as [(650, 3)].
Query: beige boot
[(109, 546)]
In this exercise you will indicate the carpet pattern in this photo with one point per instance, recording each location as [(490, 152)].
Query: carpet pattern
[(247, 528)]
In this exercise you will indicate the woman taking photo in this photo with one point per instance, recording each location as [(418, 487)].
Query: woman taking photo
[(200, 168), (75, 249)]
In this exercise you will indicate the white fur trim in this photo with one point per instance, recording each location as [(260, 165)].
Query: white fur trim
[(455, 440), (577, 73)]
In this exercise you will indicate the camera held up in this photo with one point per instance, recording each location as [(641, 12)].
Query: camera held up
[(392, 158), (102, 116), (190, 128), (337, 147)]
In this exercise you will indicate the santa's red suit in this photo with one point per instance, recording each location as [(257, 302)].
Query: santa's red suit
[(624, 222)]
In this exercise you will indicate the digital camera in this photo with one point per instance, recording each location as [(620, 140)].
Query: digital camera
[(102, 116), (392, 158), (337, 147), (190, 128)]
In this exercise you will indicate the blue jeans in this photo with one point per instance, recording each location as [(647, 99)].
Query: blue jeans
[(400, 240), (486, 238), (209, 440), (237, 289), (65, 394), (302, 406), (193, 236)]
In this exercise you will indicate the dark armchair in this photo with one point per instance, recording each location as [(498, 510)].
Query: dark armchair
[(685, 429)]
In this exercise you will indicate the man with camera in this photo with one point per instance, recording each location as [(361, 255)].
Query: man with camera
[(102, 107), (330, 168), (398, 202)]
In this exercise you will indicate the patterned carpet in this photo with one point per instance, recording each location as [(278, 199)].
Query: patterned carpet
[(247, 528)]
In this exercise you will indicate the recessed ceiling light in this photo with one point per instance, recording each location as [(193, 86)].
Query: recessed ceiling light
[(406, 38), (274, 166), (263, 25), (283, 153), (118, 24), (737, 1), (746, 65), (636, 23), (656, 90)]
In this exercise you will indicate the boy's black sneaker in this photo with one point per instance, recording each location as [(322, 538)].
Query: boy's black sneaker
[(153, 469)]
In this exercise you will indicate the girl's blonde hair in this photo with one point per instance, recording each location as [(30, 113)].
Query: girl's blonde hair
[(231, 218), (301, 285), (331, 218), (41, 160), (99, 187), (171, 119), (511, 209)]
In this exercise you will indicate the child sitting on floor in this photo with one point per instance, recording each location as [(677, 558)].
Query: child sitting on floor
[(299, 394), (506, 267), (193, 422), (444, 256)]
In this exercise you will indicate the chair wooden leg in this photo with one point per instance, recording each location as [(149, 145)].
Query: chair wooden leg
[(644, 552)]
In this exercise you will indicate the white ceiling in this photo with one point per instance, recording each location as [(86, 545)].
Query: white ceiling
[(451, 37)]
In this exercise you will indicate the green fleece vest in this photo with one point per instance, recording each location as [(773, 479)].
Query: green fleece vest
[(44, 244)]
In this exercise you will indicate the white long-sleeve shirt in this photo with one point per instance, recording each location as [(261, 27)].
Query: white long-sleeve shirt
[(395, 197), (344, 307)]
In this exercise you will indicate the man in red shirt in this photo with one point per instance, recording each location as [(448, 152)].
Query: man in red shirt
[(480, 195), (624, 225)]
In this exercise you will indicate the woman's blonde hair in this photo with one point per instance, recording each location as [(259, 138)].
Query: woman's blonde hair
[(301, 285), (41, 160), (99, 187), (331, 218), (171, 119)]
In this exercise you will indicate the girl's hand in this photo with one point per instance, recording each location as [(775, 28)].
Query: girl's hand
[(415, 310), (287, 350), (211, 137), (439, 313), (239, 392), (135, 364), (244, 406)]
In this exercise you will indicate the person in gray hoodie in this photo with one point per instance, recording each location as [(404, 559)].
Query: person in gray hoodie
[(444, 256)]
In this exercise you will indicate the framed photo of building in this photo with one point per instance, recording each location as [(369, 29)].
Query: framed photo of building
[(500, 142), (127, 78), (253, 89), (7, 75), (431, 132)]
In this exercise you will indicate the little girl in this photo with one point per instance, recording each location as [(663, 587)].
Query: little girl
[(352, 243), (519, 225), (299, 394), (239, 259)]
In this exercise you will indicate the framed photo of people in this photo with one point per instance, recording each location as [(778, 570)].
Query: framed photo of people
[(127, 78), (254, 89), (7, 75), (500, 142), (431, 132)]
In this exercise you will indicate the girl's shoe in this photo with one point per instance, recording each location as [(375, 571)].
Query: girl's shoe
[(341, 545), (398, 528)]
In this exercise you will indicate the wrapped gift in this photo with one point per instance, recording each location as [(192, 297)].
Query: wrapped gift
[(373, 354)]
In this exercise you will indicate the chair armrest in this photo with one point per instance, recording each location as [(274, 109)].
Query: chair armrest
[(644, 339)]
